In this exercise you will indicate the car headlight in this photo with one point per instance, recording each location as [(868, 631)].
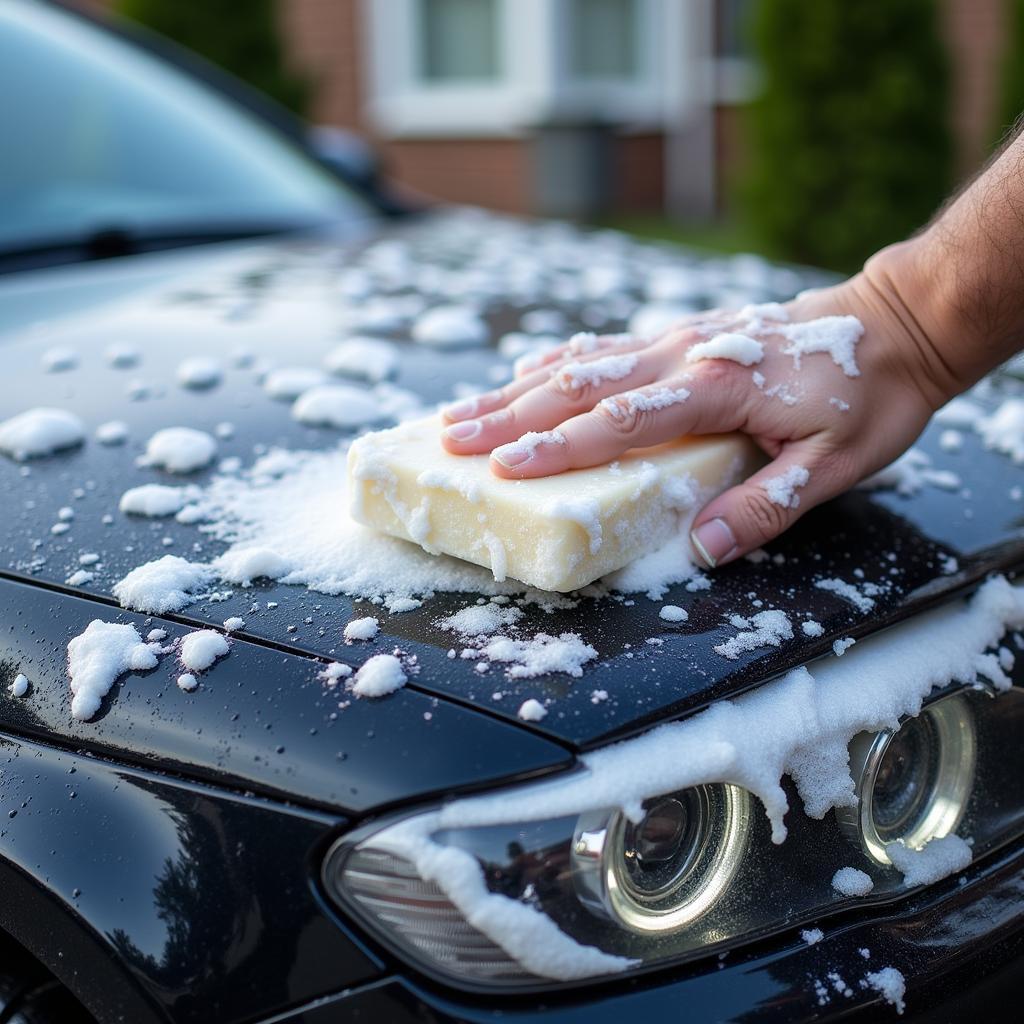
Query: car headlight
[(913, 784), (512, 904), (666, 870)]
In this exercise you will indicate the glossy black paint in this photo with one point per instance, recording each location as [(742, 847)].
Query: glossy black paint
[(261, 719), (159, 900), (137, 861), (960, 947), (903, 544)]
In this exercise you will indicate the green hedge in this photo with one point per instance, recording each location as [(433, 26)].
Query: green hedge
[(239, 35), (849, 139), (1012, 105)]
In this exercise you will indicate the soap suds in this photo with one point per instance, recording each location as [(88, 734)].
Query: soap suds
[(836, 335), (380, 675), (450, 327), (200, 372), (798, 724), (179, 450), (861, 599), (1003, 430), (98, 656), (286, 518), (337, 405), (812, 628), (166, 584), (532, 710), (951, 441), (840, 647), (121, 357), (543, 655), (765, 629), (40, 432), (651, 400), (596, 372), (739, 348), (200, 649), (937, 859), (59, 359), (20, 686), (362, 629), (911, 472), (481, 619), (289, 382), (112, 432), (781, 490), (959, 412), (153, 500), (369, 359), (526, 446), (673, 613), (890, 984), (812, 936), (852, 882), (187, 682)]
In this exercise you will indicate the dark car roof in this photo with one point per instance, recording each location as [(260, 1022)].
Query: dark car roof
[(914, 548)]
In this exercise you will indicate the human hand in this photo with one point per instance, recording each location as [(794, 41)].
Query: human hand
[(826, 419)]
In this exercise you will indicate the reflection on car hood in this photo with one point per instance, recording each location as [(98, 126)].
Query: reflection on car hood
[(285, 303)]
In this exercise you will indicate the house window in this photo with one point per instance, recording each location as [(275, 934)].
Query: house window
[(603, 39), (731, 28), (458, 40)]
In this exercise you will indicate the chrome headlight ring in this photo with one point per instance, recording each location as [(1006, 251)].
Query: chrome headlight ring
[(913, 783), (665, 871)]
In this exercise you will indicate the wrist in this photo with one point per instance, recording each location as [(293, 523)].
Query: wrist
[(913, 289)]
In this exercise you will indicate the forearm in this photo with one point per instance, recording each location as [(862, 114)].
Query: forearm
[(958, 286)]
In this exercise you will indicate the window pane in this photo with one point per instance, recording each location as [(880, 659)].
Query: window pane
[(603, 38), (732, 21), (459, 39), (100, 135)]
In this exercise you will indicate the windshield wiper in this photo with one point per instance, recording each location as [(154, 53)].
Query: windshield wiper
[(109, 242)]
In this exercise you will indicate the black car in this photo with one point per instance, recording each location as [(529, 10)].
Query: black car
[(240, 837)]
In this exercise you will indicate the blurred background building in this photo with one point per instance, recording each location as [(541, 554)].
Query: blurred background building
[(808, 130)]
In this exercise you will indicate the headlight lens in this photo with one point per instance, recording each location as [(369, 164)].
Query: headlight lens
[(694, 872), (664, 871), (913, 784)]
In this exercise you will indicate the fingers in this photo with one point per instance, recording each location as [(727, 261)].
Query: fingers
[(634, 419), (758, 510), (582, 344), (491, 401), (573, 388)]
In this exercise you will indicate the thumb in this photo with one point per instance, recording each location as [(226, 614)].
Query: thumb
[(764, 506)]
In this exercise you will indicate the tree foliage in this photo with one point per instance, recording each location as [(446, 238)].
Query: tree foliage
[(1012, 105), (241, 37), (849, 138)]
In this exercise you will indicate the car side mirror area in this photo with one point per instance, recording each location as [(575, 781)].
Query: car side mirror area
[(355, 160)]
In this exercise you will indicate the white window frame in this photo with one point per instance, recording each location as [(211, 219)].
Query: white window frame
[(534, 83)]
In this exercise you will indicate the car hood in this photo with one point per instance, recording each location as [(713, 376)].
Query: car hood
[(284, 303)]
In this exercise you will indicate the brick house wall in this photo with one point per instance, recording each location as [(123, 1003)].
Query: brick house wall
[(325, 41)]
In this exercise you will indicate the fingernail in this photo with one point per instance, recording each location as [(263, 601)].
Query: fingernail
[(464, 431), (713, 541), (512, 455), (461, 410)]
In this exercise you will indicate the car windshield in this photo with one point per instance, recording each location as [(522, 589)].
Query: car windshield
[(99, 135)]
